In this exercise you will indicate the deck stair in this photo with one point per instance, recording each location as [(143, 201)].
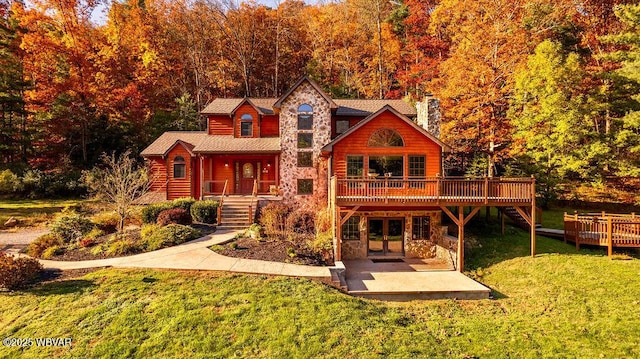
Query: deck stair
[(235, 212), (517, 219)]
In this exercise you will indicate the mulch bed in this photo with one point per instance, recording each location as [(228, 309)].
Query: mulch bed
[(274, 251), (84, 254)]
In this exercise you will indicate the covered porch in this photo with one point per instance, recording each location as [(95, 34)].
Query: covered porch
[(240, 174)]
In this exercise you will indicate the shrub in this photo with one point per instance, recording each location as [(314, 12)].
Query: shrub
[(15, 273), (299, 222), (147, 230), (71, 227), (184, 203), (94, 233), (169, 235), (9, 182), (108, 222), (150, 213), (86, 242), (120, 247), (323, 220), (322, 244), (42, 243), (97, 250), (205, 211), (174, 216), (273, 217), (52, 251)]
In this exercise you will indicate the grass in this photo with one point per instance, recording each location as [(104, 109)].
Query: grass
[(562, 303), (34, 212)]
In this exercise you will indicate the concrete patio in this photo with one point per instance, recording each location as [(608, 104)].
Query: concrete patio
[(410, 279)]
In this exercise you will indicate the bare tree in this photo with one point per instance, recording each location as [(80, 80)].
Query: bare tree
[(121, 181)]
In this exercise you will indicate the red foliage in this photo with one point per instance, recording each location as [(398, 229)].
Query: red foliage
[(174, 216), (15, 273)]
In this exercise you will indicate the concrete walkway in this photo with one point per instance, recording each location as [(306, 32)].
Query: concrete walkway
[(195, 255)]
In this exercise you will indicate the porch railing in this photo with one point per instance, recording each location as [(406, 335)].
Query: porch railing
[(436, 190), (221, 202)]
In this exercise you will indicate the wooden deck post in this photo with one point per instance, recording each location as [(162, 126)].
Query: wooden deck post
[(460, 259), (610, 236), (533, 216)]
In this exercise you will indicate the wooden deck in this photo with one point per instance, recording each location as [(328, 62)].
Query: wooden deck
[(436, 191), (603, 229)]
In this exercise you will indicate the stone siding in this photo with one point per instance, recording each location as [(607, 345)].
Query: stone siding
[(428, 117), (357, 249), (289, 170)]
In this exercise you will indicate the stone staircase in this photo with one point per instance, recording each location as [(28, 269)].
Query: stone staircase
[(235, 212)]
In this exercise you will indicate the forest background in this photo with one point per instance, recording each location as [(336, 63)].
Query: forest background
[(549, 88)]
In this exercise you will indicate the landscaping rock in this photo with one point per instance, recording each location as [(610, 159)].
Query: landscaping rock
[(11, 222)]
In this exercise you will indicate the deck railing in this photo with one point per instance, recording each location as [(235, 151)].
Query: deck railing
[(603, 229), (436, 190)]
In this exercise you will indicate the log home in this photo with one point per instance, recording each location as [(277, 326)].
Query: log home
[(377, 164)]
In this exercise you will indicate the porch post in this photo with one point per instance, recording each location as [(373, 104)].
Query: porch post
[(201, 177), (533, 216), (460, 256)]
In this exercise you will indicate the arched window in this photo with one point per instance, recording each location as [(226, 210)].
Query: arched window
[(246, 125), (179, 167), (247, 170), (305, 117), (385, 137)]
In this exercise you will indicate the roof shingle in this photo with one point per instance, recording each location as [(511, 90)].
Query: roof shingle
[(163, 144), (230, 144)]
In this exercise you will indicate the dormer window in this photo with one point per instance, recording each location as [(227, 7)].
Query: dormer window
[(305, 117), (179, 167), (246, 125)]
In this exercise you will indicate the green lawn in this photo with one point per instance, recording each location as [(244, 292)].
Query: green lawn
[(564, 304), (33, 212)]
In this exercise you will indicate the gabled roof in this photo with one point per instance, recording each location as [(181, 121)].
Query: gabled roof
[(317, 87), (360, 107), (230, 144), (168, 140), (227, 106), (329, 146)]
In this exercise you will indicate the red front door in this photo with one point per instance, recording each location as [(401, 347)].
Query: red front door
[(247, 176)]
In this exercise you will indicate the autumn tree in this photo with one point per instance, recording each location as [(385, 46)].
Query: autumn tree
[(119, 181)]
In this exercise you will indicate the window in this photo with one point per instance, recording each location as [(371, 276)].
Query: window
[(421, 227), (305, 140), (388, 166), (305, 117), (247, 170), (179, 167), (355, 166), (342, 126), (350, 229), (305, 159), (305, 186), (385, 137), (246, 125), (417, 166)]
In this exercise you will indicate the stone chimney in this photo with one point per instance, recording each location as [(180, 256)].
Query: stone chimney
[(429, 114)]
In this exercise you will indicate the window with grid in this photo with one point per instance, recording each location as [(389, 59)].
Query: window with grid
[(355, 166), (421, 227), (305, 140), (305, 186), (417, 171), (305, 159), (351, 230)]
